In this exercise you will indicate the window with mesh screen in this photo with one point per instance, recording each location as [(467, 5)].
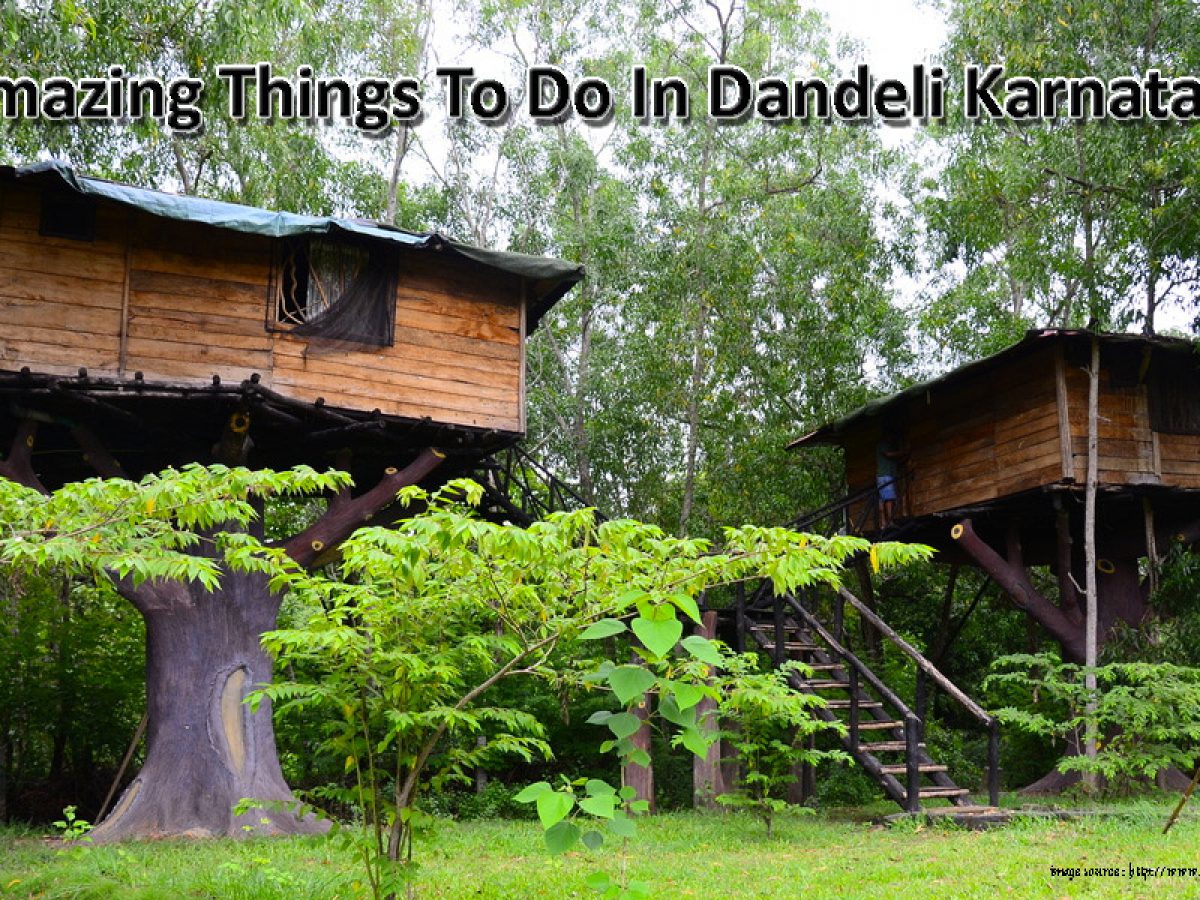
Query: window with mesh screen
[(338, 293)]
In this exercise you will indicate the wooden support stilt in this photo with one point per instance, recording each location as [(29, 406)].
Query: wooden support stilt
[(638, 777), (18, 466), (707, 783)]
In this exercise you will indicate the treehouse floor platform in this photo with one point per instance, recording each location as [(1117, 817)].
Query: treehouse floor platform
[(1120, 520), (147, 426)]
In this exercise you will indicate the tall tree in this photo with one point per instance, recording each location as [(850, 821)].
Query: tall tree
[(1063, 223)]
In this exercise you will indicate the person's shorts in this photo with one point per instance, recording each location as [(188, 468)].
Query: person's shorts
[(886, 485)]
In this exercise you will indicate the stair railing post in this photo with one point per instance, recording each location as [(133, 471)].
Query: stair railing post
[(780, 636), (739, 616), (853, 706), (912, 771), (994, 763), (922, 698)]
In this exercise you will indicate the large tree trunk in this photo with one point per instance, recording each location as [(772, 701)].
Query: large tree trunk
[(1055, 782), (205, 749)]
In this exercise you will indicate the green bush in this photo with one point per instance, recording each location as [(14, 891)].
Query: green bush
[(495, 801)]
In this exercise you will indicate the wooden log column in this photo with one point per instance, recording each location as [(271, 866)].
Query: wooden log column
[(708, 782)]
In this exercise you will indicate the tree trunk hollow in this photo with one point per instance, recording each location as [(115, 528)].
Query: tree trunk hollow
[(205, 749)]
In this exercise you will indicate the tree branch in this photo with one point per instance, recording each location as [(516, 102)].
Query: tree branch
[(17, 467), (346, 514), (95, 454), (1014, 580)]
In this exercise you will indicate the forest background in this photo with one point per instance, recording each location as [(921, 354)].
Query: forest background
[(745, 284)]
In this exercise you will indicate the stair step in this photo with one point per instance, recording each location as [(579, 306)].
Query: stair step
[(934, 792), (845, 704), (823, 667), (822, 685), (923, 767), (884, 746), (879, 724), (797, 646)]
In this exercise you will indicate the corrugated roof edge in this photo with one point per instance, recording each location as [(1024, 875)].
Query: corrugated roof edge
[(830, 432), (550, 278)]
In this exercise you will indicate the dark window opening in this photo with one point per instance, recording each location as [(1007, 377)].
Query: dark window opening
[(1175, 394), (67, 216), (337, 293)]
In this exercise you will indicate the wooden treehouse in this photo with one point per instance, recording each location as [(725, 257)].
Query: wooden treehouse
[(990, 465), (143, 330), (994, 461), (140, 322)]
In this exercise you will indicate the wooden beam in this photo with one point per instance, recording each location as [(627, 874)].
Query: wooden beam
[(18, 466), (345, 514), (1064, 417)]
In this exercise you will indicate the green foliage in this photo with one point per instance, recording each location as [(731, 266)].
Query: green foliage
[(1148, 714), (72, 828), (146, 529), (774, 724)]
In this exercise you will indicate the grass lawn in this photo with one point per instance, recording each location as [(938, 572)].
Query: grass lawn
[(681, 855)]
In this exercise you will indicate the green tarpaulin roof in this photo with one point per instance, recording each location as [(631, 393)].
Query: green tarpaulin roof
[(550, 278)]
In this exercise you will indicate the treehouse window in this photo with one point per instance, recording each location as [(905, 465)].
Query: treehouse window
[(67, 216), (337, 293), (1175, 395)]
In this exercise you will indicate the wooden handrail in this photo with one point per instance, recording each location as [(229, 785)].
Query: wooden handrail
[(882, 689), (930, 669)]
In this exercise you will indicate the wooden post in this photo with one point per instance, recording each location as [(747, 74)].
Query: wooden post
[(912, 774), (994, 763), (707, 783), (922, 699), (853, 705), (1151, 545), (780, 650), (641, 778), (1089, 539)]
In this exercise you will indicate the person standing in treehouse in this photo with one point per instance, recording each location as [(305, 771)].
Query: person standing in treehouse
[(889, 457)]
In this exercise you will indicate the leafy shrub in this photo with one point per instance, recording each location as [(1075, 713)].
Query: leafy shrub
[(495, 801), (1148, 714)]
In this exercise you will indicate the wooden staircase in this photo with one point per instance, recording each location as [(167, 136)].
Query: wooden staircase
[(882, 733)]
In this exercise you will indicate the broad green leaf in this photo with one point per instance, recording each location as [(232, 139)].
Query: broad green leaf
[(553, 807), (599, 717), (623, 826), (597, 881), (593, 841), (702, 649), (669, 709), (659, 638), (695, 741), (630, 682), (686, 695), (561, 837), (597, 788), (532, 792), (599, 806), (602, 629), (687, 606), (624, 724)]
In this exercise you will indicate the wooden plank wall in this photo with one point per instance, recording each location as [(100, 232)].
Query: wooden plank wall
[(1126, 449), (458, 354), (992, 434), (1179, 459), (60, 300), (197, 306)]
